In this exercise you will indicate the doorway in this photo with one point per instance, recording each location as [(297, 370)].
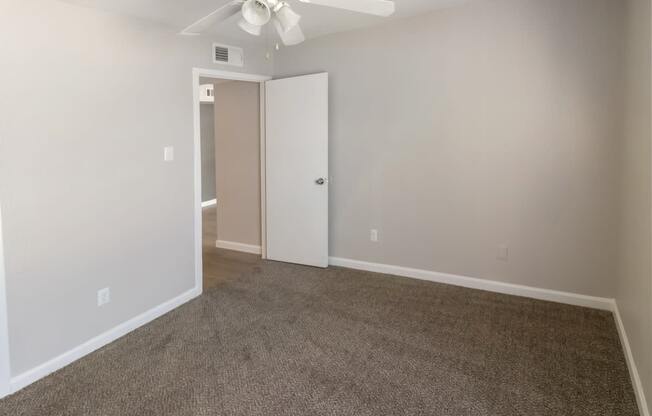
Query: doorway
[(291, 161), (231, 174), (218, 77)]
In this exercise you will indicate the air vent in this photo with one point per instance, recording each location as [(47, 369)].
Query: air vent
[(228, 55), (221, 54)]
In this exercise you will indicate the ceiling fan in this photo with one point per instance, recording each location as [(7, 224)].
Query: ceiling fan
[(257, 13)]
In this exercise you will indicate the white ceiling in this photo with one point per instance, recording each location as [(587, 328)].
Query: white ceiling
[(316, 20)]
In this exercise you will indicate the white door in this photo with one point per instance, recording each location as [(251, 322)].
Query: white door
[(297, 169)]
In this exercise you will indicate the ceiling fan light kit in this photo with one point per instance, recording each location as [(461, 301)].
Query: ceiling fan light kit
[(286, 16), (292, 37), (257, 13)]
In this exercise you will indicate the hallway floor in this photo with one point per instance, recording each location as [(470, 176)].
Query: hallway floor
[(220, 264)]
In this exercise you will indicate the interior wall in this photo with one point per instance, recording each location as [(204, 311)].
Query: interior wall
[(494, 123), (207, 121), (237, 156), (87, 201), (634, 283)]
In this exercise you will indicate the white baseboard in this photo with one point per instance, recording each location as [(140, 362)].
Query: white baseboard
[(35, 374), (209, 203), (631, 364), (245, 248), (481, 284)]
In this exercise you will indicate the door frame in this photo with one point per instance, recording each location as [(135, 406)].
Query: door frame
[(198, 73), (5, 372)]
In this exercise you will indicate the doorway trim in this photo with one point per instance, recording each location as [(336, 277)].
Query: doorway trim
[(198, 73), (5, 373)]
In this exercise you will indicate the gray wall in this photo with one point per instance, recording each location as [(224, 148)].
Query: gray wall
[(87, 201), (492, 123), (634, 282), (237, 135), (207, 152)]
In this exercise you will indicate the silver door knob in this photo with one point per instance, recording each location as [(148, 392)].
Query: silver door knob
[(320, 181)]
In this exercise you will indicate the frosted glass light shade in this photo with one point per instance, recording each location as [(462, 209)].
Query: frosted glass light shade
[(287, 17), (256, 12)]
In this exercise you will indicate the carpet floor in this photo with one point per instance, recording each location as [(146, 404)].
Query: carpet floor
[(289, 340)]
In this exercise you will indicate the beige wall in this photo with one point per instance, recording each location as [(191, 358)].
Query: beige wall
[(634, 278), (87, 201), (207, 126), (493, 123), (237, 157)]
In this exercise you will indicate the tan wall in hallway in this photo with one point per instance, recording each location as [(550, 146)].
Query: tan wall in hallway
[(237, 159)]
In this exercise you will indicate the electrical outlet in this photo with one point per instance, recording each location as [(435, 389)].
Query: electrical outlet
[(103, 296), (503, 253), (374, 236)]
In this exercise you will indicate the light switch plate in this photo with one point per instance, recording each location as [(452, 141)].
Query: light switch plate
[(168, 154)]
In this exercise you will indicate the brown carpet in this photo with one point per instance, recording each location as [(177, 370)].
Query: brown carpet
[(290, 340)]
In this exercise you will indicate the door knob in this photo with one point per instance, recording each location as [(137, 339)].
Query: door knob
[(320, 181)]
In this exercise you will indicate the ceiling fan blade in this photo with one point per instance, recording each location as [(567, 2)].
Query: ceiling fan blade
[(223, 13), (376, 7), (294, 36)]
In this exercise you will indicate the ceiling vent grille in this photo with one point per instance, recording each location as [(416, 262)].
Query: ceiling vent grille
[(221, 54), (228, 55)]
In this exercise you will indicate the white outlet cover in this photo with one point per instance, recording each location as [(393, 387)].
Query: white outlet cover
[(503, 253), (103, 296), (374, 236)]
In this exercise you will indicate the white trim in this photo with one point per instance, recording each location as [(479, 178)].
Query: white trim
[(196, 109), (5, 371), (245, 248), (481, 284), (631, 364), (263, 171), (99, 341), (639, 390), (229, 75), (197, 73), (210, 203)]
